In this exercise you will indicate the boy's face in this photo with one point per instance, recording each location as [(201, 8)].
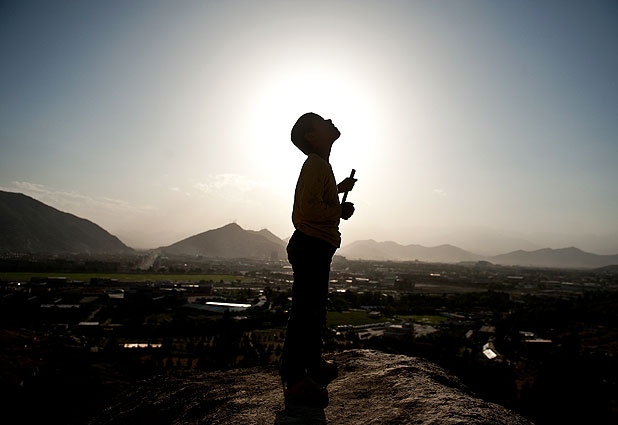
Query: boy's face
[(324, 133)]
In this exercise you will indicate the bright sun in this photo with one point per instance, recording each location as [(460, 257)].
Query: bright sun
[(283, 97)]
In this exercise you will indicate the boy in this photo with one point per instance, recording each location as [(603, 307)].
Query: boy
[(315, 215)]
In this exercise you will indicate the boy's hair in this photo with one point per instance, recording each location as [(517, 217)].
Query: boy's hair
[(303, 125)]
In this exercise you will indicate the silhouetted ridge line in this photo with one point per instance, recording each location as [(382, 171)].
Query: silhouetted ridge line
[(564, 257), (30, 226), (547, 257)]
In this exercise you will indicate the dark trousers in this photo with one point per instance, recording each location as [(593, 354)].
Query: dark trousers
[(302, 351)]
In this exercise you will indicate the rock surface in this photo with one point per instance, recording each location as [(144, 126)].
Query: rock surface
[(372, 388)]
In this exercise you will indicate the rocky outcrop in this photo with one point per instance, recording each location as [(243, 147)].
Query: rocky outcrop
[(372, 388)]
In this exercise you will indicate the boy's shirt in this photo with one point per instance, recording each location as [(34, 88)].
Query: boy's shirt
[(316, 201)]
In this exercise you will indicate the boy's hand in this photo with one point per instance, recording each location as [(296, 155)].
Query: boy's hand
[(346, 185), (347, 209)]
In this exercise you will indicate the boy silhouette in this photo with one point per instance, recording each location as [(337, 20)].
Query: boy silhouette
[(316, 216)]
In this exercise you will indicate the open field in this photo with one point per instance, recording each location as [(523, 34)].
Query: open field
[(336, 318), (24, 276)]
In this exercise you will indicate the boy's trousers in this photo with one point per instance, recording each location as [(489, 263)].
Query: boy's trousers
[(302, 351)]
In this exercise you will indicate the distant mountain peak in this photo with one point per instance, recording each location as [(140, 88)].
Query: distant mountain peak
[(572, 249), (232, 225), (446, 245), (230, 241)]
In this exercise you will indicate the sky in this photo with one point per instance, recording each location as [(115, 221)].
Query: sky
[(491, 125)]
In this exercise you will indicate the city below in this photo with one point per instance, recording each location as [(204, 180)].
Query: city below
[(76, 329)]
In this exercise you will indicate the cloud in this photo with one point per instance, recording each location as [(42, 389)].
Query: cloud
[(231, 187), (439, 192), (225, 182)]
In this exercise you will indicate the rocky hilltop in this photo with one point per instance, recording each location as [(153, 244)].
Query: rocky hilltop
[(372, 388)]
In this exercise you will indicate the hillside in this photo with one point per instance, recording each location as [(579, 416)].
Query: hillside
[(230, 241), (373, 388), (268, 235), (30, 226)]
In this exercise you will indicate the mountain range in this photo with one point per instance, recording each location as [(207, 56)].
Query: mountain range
[(560, 258), (30, 226), (392, 251)]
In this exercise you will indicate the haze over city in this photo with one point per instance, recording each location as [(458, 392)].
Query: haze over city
[(490, 125)]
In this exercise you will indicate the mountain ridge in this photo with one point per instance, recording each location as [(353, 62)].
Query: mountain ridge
[(570, 257), (30, 226)]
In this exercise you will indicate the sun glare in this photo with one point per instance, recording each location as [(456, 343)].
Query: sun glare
[(283, 97)]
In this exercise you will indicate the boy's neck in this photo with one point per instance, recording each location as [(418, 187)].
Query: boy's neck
[(323, 153)]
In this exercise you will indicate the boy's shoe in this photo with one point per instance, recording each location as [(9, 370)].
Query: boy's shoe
[(307, 392), (327, 373)]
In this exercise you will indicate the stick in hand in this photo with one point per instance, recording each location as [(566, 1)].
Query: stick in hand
[(345, 194)]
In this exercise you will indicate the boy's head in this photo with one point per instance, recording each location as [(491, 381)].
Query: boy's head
[(311, 133)]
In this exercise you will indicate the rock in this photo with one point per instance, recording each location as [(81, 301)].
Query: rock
[(372, 388)]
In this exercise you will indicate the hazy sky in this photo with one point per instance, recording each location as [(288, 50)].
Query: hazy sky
[(485, 124)]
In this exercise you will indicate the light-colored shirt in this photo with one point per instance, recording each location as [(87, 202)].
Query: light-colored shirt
[(316, 202)]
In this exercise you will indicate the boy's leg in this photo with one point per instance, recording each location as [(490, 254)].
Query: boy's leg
[(311, 308), (310, 259)]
